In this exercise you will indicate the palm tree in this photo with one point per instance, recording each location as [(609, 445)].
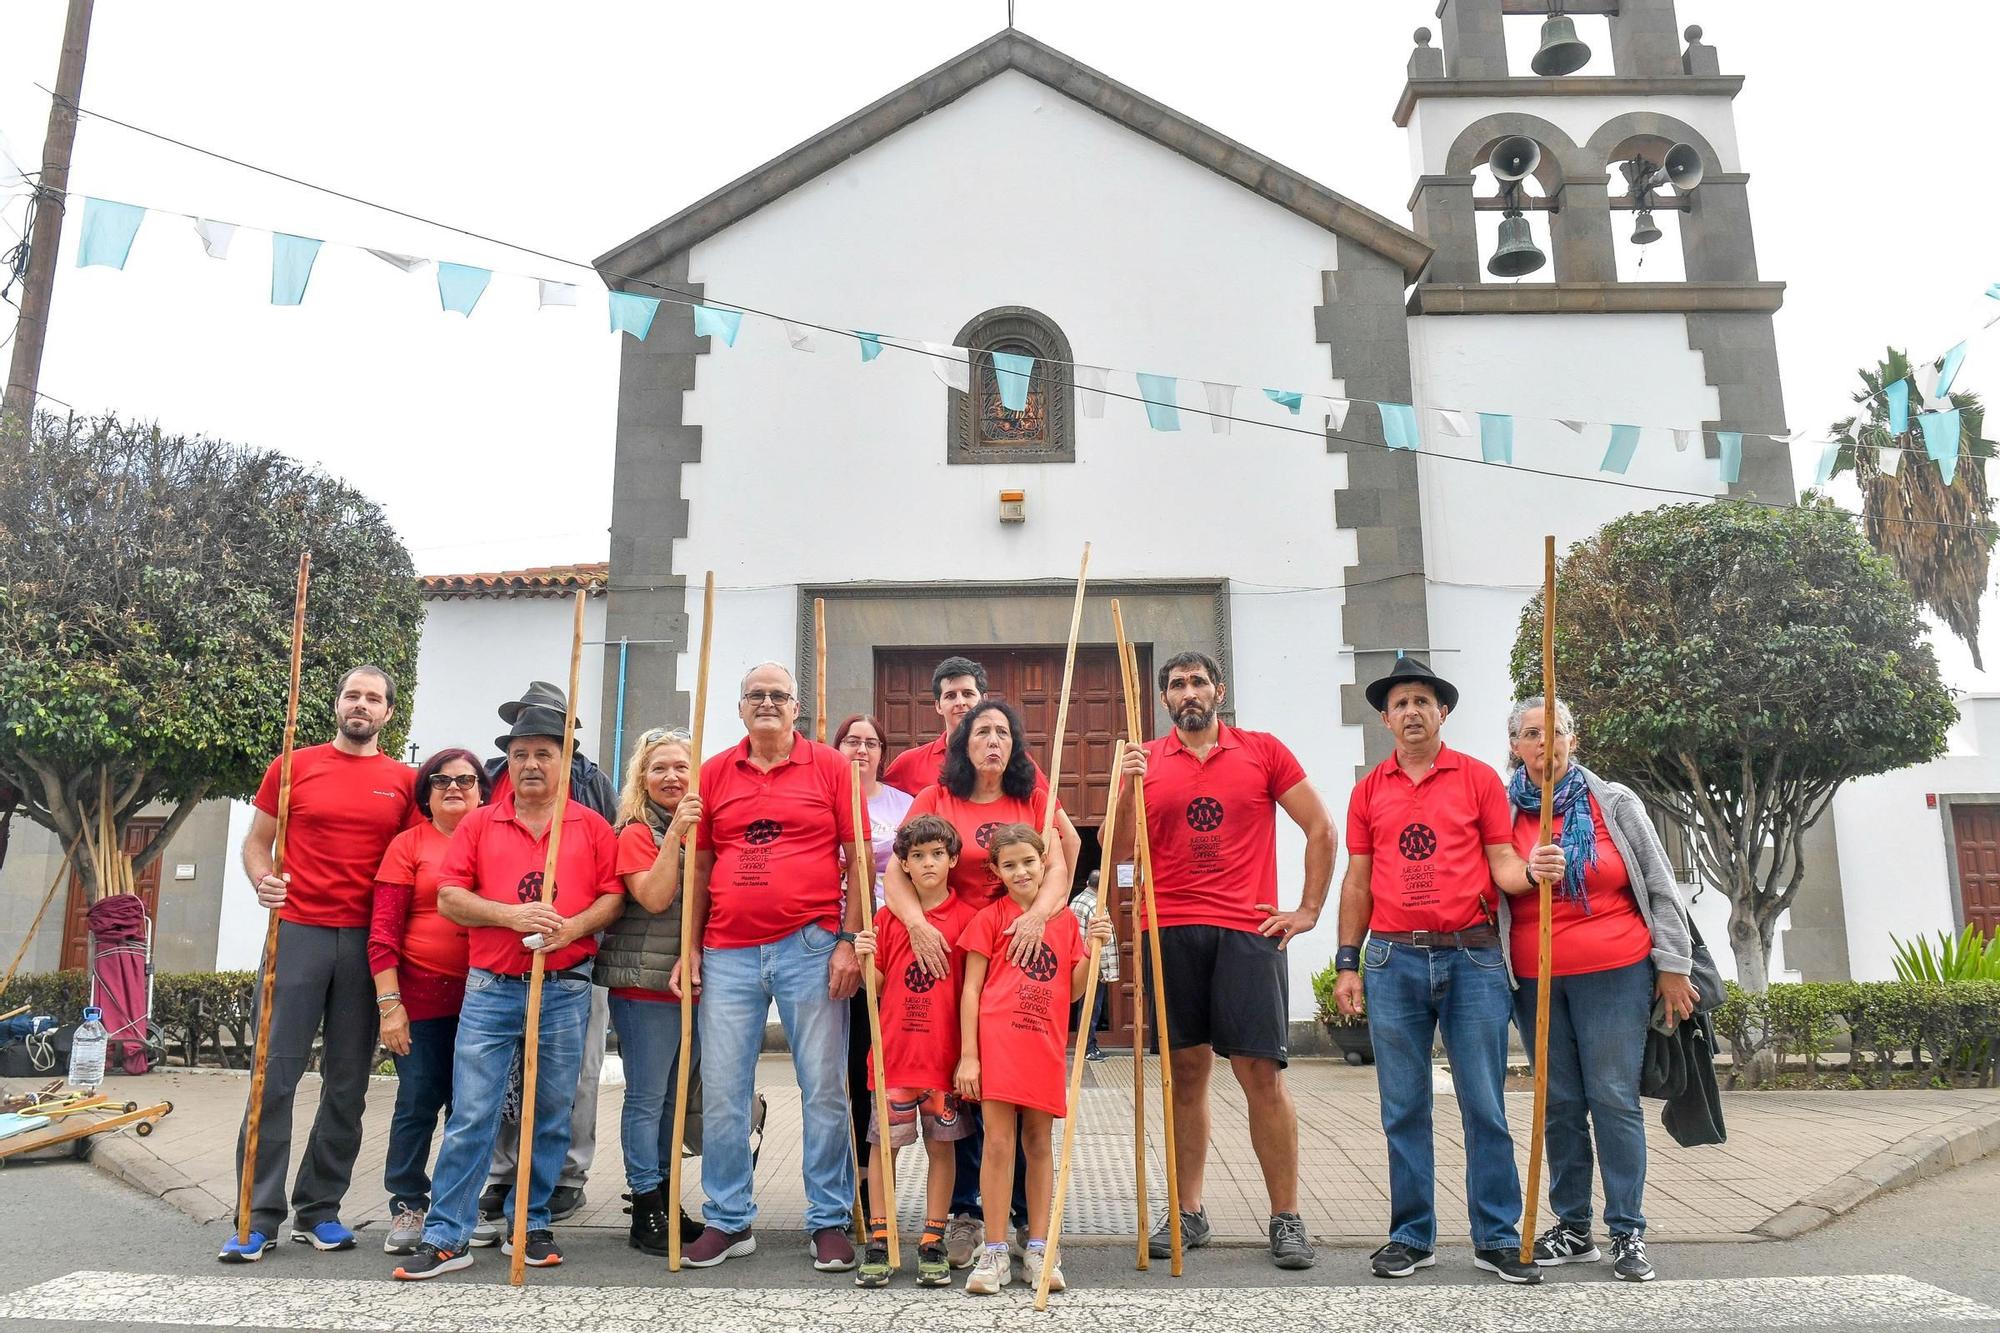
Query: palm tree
[(1940, 537)]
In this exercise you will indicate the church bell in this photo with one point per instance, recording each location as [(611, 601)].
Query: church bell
[(1644, 230), (1561, 51), (1517, 254)]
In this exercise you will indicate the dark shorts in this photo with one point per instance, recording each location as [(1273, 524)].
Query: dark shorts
[(1226, 989)]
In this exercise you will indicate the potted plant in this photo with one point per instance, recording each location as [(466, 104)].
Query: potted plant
[(1349, 1031)]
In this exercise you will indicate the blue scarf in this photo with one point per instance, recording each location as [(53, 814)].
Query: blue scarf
[(1578, 839)]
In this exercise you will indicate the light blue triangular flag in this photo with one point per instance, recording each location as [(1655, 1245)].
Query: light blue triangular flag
[(108, 230), (1163, 410), (1496, 437), (709, 321), (1897, 396), (871, 345), (1949, 372), (1399, 425), (291, 267), (1012, 369), (1941, 431), (461, 285), (1828, 456), (1729, 444), (1994, 291), (633, 314), (1624, 443), (1289, 399)]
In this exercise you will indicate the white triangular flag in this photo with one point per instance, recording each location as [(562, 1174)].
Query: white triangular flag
[(407, 263), (215, 236), (949, 364), (1889, 458), (1090, 382), (1336, 412), (799, 338), (1682, 439), (1221, 397), (1927, 380), (1453, 423), (1575, 426), (555, 293)]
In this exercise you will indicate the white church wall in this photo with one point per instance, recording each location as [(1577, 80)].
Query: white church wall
[(477, 653), (1438, 121)]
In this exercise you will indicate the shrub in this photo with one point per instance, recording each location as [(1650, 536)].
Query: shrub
[(193, 1011), (1946, 1028), (1324, 1007)]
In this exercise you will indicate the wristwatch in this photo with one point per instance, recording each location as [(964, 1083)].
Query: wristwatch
[(1347, 958), (846, 935)]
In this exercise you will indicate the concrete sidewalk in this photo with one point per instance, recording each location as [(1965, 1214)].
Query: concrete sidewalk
[(1792, 1161)]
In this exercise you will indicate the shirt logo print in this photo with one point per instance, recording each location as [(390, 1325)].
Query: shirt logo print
[(916, 980), (984, 834), (762, 832), (1042, 966), (530, 888), (1204, 814), (1417, 843)]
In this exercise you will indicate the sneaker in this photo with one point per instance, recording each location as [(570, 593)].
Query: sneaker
[(992, 1271), (964, 1237), (1507, 1265), (487, 1230), (831, 1250), (1031, 1270), (933, 1266), (1290, 1247), (564, 1200), (406, 1232), (325, 1236), (430, 1261), (1094, 1054), (1195, 1233), (259, 1246), (1628, 1259), (712, 1246), (1562, 1244), (540, 1252), (1399, 1260), (874, 1270), (690, 1230)]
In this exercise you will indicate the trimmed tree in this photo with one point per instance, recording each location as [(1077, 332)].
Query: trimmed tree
[(146, 586), (1735, 665)]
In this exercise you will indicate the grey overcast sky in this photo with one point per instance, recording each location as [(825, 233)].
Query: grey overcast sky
[(569, 128)]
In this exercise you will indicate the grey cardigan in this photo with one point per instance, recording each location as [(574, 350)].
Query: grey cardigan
[(1638, 842)]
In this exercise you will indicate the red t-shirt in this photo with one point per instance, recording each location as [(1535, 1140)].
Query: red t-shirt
[(1429, 841), (974, 878), (345, 810), (777, 838), (636, 854), (922, 766), (1024, 1015), (430, 940), (1212, 826), (1613, 934), (919, 1011), (494, 856)]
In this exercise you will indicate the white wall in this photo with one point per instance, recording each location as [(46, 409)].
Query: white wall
[(478, 653), (1439, 121)]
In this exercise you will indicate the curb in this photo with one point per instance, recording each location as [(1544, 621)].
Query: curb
[(130, 1161), (1955, 1143)]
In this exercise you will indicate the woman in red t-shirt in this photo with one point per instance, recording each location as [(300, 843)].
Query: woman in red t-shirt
[(419, 961), (1620, 947)]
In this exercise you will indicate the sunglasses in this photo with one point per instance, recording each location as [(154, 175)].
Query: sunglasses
[(463, 781)]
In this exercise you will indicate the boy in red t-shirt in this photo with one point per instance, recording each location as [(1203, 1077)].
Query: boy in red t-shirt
[(919, 1048), (1013, 1029)]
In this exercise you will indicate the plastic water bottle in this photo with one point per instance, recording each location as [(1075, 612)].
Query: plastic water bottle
[(86, 1051)]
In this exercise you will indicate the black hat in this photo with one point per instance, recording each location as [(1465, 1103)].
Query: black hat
[(1410, 669), (531, 720), (539, 694)]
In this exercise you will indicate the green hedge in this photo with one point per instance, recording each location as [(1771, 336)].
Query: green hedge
[(1939, 1029), (202, 1017)]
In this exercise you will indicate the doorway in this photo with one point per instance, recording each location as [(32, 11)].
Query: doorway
[(139, 835)]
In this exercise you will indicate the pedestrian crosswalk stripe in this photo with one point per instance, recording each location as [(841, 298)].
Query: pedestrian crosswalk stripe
[(455, 1305)]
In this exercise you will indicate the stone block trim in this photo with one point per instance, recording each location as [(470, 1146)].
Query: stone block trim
[(1740, 354)]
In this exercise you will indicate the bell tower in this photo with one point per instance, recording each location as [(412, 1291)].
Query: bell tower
[(1578, 157)]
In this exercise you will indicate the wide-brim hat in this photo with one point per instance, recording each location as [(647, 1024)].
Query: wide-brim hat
[(1408, 670), (539, 694), (532, 721)]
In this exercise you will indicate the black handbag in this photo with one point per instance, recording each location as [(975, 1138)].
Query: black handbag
[(1707, 978)]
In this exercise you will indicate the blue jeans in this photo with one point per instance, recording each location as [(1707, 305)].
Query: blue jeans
[(1597, 1044), (649, 1038), (490, 1027), (423, 1088), (737, 989), (1412, 994)]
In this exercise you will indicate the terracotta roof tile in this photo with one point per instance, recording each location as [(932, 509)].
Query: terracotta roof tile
[(540, 581)]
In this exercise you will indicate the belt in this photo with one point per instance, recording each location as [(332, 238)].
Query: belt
[(1475, 937), (567, 974)]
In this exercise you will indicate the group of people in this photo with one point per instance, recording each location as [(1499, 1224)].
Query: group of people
[(412, 909)]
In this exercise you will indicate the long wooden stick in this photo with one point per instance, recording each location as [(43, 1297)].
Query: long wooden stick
[(1062, 704), (62, 873), (531, 1045), (1143, 1209), (819, 669), (885, 1150), (253, 1121), (1544, 892), (1053, 1256), (855, 1150), (687, 934)]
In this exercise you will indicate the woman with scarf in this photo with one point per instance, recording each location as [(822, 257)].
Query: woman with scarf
[(1620, 947), (635, 959)]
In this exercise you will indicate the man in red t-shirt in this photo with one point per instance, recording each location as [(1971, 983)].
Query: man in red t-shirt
[(492, 883), (348, 802), (956, 685), (1213, 793), (1429, 841)]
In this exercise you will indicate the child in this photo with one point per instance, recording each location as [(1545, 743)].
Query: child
[(919, 1049), (1014, 1025)]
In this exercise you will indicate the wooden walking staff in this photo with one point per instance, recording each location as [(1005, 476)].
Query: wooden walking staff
[(1062, 704), (681, 1063), (1544, 891), (864, 860), (819, 729), (531, 1048), (1053, 1255), (253, 1121)]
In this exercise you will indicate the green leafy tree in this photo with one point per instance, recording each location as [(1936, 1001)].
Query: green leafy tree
[(1735, 665), (146, 588), (1939, 536)]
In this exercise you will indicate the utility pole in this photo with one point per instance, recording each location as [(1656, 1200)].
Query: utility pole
[(45, 235)]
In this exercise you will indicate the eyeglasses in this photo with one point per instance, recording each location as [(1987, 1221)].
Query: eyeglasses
[(463, 781), (862, 743), (766, 697)]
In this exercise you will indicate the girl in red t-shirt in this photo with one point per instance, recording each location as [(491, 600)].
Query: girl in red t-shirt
[(1013, 1029)]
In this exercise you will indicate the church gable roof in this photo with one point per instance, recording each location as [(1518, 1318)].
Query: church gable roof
[(1015, 50)]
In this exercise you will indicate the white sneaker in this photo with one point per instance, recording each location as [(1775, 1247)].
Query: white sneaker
[(1031, 1270), (991, 1271), (406, 1232)]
